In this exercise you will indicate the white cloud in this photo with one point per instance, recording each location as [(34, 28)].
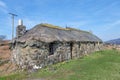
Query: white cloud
[(111, 25), (106, 8), (2, 4), (3, 7)]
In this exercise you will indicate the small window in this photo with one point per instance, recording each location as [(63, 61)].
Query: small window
[(51, 49)]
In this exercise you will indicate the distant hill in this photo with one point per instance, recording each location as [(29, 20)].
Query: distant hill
[(114, 41)]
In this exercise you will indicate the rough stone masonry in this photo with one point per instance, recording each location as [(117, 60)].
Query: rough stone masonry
[(46, 44)]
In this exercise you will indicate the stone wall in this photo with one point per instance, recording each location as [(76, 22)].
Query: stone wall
[(83, 48), (20, 31), (36, 53), (30, 54), (112, 46), (61, 52)]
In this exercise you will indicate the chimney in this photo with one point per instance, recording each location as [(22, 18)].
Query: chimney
[(21, 29)]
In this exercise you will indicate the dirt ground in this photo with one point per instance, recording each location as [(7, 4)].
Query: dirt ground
[(6, 66), (4, 50)]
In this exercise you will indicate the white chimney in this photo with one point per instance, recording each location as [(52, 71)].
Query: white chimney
[(20, 22)]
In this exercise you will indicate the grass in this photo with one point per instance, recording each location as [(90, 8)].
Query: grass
[(102, 65)]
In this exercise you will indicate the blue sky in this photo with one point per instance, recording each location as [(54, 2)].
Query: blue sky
[(102, 17)]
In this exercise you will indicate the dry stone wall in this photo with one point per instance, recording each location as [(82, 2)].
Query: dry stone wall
[(36, 54)]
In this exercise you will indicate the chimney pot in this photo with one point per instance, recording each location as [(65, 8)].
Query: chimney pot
[(20, 22)]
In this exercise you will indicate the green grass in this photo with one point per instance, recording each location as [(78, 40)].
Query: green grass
[(16, 76), (102, 65)]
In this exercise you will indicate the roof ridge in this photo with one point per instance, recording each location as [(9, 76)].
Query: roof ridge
[(58, 27), (52, 26)]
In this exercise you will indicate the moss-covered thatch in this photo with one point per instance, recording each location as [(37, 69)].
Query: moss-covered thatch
[(53, 26), (50, 33)]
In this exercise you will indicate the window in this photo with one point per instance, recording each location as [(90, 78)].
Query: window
[(51, 48)]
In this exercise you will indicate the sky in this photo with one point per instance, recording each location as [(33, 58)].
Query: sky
[(102, 17)]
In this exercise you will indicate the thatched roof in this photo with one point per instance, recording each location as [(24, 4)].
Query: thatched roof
[(50, 33)]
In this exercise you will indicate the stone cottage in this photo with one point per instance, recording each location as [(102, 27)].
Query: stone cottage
[(46, 44)]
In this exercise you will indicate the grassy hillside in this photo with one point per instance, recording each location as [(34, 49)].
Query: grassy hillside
[(102, 65)]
